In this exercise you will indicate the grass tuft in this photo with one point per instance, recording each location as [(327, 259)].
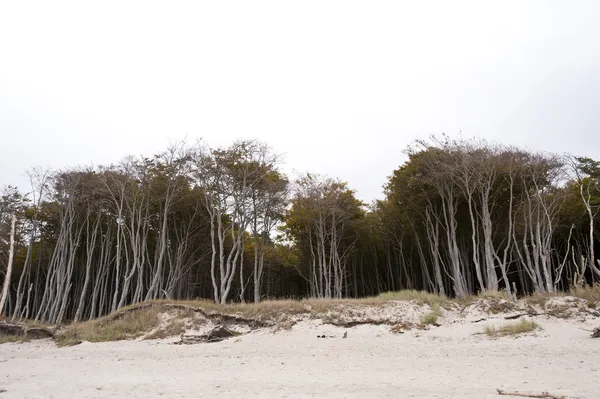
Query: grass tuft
[(432, 317), (522, 327), (419, 297)]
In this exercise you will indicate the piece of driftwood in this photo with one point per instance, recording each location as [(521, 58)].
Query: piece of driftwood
[(354, 323), (516, 316), (217, 334), (543, 395), (511, 317), (23, 330)]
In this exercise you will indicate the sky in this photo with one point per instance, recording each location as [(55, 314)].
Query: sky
[(339, 88)]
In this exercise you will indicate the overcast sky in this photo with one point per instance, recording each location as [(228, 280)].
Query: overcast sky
[(340, 88)]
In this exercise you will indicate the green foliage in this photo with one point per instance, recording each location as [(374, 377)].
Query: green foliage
[(384, 251)]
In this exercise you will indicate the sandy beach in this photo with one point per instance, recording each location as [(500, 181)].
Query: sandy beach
[(451, 361)]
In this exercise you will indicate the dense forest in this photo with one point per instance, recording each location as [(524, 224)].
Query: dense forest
[(457, 218)]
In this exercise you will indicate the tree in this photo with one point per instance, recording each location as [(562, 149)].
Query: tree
[(269, 201), (587, 177), (11, 252), (321, 219)]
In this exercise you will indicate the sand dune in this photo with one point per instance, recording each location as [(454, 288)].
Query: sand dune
[(451, 361)]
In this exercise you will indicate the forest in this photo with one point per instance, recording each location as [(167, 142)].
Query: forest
[(459, 217)]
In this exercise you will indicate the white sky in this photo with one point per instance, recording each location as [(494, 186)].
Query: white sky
[(340, 88)]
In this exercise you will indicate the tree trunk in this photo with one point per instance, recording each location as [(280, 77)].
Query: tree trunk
[(9, 266)]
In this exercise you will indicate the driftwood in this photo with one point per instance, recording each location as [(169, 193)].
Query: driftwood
[(354, 323), (217, 334), (516, 316), (23, 330), (511, 317), (543, 395)]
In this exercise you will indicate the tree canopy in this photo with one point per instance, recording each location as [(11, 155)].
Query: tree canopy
[(457, 218)]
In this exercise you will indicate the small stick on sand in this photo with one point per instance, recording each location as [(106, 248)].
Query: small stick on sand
[(543, 395)]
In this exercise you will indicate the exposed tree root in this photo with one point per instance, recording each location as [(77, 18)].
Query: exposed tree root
[(23, 330), (543, 395), (216, 335), (219, 318)]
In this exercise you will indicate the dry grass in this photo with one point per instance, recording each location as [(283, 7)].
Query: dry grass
[(272, 310), (522, 327), (119, 326), (541, 298), (501, 306), (13, 338), (492, 295), (591, 294), (588, 293), (419, 297), (264, 311)]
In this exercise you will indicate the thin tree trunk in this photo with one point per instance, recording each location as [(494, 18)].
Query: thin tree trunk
[(8, 275)]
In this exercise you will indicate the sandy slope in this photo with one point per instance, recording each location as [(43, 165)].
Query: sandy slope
[(444, 362)]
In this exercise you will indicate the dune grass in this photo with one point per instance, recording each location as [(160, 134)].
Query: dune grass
[(431, 318), (589, 293), (513, 329), (269, 310), (115, 327), (419, 297), (4, 339), (137, 320)]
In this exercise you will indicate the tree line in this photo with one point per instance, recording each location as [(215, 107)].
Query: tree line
[(457, 218)]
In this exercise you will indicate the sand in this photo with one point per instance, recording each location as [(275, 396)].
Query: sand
[(450, 361)]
